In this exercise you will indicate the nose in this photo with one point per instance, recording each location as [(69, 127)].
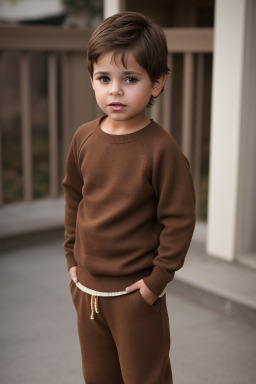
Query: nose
[(116, 89)]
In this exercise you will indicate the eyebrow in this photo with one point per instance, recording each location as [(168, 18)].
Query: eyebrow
[(125, 73)]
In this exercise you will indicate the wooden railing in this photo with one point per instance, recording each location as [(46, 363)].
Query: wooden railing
[(77, 104), (194, 45)]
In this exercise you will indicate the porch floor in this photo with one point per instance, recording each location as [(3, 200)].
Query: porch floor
[(211, 305), (39, 341)]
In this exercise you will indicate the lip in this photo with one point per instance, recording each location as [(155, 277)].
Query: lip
[(117, 106)]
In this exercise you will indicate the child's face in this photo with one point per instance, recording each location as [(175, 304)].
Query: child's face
[(122, 92)]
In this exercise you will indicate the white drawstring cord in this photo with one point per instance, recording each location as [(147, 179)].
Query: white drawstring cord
[(94, 297), (94, 306), (95, 294)]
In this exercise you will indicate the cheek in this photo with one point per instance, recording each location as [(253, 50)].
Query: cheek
[(141, 96), (99, 100), (99, 94)]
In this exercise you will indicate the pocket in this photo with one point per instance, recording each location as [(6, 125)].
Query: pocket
[(146, 305), (71, 284), (71, 287), (74, 290)]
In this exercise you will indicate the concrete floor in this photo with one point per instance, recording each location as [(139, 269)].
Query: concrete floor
[(39, 342)]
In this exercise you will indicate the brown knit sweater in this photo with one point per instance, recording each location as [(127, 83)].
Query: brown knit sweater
[(130, 207)]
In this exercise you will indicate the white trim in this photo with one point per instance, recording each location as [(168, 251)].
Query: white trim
[(110, 7), (226, 128), (98, 293), (106, 294)]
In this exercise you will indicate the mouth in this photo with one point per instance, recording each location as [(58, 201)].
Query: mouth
[(117, 106)]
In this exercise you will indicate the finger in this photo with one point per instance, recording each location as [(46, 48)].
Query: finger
[(72, 273), (74, 278), (132, 287)]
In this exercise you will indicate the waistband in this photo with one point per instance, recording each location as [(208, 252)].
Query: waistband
[(94, 296), (98, 293)]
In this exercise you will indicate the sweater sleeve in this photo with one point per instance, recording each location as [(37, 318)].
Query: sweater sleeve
[(174, 190), (72, 185)]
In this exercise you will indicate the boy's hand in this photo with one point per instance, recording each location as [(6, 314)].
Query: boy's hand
[(72, 273), (144, 290)]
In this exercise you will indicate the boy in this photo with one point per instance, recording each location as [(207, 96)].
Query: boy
[(129, 214)]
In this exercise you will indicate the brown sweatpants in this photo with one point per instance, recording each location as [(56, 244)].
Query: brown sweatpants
[(128, 341)]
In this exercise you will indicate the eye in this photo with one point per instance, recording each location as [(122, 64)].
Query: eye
[(103, 79), (130, 80)]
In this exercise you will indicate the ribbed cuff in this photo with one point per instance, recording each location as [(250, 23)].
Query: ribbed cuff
[(71, 262), (158, 280)]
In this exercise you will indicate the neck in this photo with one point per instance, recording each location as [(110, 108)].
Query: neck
[(122, 127)]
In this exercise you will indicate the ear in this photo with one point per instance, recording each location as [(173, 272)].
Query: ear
[(92, 82), (158, 85)]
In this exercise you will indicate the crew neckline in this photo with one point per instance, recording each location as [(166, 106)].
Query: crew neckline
[(119, 138)]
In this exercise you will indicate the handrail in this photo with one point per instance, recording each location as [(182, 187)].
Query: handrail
[(38, 38)]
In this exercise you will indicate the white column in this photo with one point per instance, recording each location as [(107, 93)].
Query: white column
[(110, 7), (246, 216), (228, 66)]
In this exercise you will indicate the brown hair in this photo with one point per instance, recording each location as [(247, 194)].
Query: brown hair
[(127, 32)]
